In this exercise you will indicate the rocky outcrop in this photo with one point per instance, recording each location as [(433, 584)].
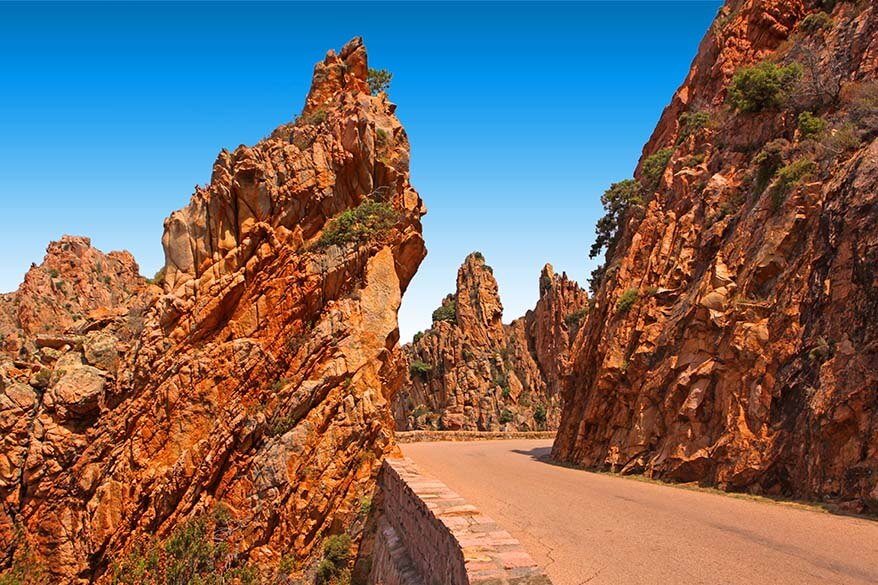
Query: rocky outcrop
[(73, 281), (470, 371), (734, 337), (256, 390)]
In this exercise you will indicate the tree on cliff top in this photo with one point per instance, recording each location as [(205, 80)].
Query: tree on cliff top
[(616, 201), (379, 80)]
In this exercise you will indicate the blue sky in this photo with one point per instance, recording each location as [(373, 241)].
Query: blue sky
[(519, 115)]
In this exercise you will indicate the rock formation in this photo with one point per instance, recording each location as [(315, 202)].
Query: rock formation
[(470, 371), (73, 281), (255, 389), (734, 337)]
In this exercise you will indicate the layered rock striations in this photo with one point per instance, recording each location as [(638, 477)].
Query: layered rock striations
[(470, 371), (734, 338), (255, 392)]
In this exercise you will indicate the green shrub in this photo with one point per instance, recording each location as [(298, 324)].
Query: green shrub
[(369, 220), (505, 392), (26, 568), (381, 135), (788, 177), (365, 506), (53, 273), (810, 125), (280, 424), (863, 105), (379, 80), (763, 86), (336, 555), (691, 123), (159, 278), (506, 417), (626, 301), (769, 159), (316, 118), (575, 317), (821, 352), (843, 139), (447, 312), (191, 554), (653, 168), (815, 22), (540, 414), (418, 336), (616, 201), (419, 368)]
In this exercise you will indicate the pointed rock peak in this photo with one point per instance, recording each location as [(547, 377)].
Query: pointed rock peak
[(478, 297), (337, 73), (474, 258)]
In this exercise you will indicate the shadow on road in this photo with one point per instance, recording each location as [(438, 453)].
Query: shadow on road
[(540, 454)]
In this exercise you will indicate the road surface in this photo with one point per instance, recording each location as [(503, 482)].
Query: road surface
[(604, 530)]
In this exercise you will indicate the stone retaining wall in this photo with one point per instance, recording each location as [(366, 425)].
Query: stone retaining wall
[(429, 535), (427, 436)]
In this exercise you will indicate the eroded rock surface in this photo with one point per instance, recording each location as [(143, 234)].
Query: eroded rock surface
[(470, 371), (748, 358), (258, 382)]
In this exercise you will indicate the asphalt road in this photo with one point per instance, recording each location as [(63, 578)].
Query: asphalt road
[(598, 529)]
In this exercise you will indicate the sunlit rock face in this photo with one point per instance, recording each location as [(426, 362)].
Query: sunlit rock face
[(749, 356), (255, 380)]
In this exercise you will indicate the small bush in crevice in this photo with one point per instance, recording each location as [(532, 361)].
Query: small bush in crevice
[(370, 219), (862, 99), (626, 301), (419, 368), (540, 414), (691, 123), (574, 318), (769, 159), (316, 118), (506, 417), (788, 177), (811, 126), (447, 312), (821, 352), (843, 139), (816, 22), (418, 336), (653, 168), (332, 568), (763, 86)]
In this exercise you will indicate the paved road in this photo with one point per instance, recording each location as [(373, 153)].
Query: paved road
[(603, 530)]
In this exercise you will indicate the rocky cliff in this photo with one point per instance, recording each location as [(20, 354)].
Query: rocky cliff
[(734, 338), (251, 406), (470, 371), (73, 281)]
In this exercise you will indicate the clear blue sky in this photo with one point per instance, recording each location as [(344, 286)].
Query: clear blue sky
[(519, 114)]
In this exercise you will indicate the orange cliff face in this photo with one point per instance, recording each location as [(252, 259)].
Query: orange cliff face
[(259, 380), (469, 371), (734, 339)]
